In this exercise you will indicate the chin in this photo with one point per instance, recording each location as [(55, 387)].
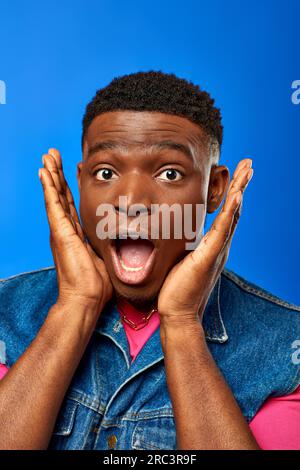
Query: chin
[(138, 296)]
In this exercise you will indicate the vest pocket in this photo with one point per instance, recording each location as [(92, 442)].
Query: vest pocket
[(154, 433), (66, 418)]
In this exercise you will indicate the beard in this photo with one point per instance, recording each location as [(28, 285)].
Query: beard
[(141, 303)]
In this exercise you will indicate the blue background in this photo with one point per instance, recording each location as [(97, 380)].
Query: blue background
[(55, 55)]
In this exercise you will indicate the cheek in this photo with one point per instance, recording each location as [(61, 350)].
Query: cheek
[(196, 191), (196, 205), (88, 207), (193, 212)]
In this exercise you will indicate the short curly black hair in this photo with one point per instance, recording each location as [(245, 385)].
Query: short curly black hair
[(157, 91)]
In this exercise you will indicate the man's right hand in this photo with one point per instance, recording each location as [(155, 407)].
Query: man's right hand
[(40, 378), (82, 275)]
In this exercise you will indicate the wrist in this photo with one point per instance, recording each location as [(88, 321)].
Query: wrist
[(71, 300), (180, 320), (177, 332), (70, 323)]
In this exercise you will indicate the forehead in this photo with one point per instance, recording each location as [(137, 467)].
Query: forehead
[(144, 127)]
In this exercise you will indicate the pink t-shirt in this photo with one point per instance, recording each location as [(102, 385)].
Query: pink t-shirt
[(276, 425), (3, 370)]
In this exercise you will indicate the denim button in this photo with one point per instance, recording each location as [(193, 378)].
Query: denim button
[(117, 326), (112, 441)]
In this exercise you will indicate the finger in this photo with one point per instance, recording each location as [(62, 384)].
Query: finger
[(50, 163), (56, 155), (60, 224), (63, 183), (242, 168), (238, 212), (226, 248), (227, 219), (58, 160), (55, 172), (243, 163), (211, 245), (214, 245), (220, 235), (80, 231), (220, 230), (239, 183)]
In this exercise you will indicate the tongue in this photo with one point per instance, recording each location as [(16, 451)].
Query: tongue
[(134, 253)]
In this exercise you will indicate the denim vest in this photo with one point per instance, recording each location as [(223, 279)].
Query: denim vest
[(111, 404)]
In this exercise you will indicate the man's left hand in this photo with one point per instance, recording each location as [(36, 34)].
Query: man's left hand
[(186, 289)]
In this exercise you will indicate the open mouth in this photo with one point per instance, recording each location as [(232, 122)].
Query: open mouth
[(133, 259)]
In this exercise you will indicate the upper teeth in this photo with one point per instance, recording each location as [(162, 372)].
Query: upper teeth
[(128, 268)]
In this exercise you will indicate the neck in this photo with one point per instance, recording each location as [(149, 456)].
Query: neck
[(142, 305)]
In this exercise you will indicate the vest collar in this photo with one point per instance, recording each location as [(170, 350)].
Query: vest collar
[(213, 324), (109, 321)]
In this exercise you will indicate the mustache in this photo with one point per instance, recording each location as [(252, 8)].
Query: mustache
[(174, 221), (134, 229), (118, 225)]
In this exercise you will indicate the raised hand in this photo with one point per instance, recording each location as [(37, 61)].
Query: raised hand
[(82, 276), (185, 292)]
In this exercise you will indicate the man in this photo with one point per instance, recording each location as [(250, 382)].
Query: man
[(141, 343)]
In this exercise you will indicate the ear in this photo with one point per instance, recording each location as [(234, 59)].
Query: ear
[(218, 183), (79, 171)]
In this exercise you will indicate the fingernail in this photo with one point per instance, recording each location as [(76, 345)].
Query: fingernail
[(40, 173)]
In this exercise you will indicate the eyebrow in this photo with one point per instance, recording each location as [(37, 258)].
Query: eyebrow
[(170, 144), (102, 146), (165, 144)]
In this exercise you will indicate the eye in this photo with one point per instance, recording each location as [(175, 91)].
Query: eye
[(105, 174), (171, 175)]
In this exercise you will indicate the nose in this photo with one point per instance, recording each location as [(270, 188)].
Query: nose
[(135, 194)]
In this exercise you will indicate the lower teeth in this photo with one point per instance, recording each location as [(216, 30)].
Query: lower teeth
[(127, 268)]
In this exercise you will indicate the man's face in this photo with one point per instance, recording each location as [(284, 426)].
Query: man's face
[(151, 158)]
